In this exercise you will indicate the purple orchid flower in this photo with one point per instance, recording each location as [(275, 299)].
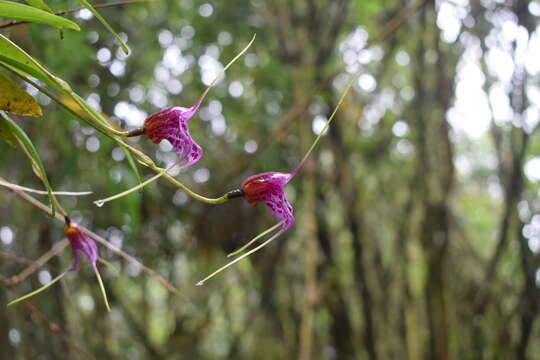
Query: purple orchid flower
[(80, 243), (268, 188), (171, 124)]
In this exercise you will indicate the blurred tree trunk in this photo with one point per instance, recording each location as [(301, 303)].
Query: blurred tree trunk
[(435, 171)]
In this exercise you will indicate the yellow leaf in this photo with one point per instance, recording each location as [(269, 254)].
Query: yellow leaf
[(15, 100)]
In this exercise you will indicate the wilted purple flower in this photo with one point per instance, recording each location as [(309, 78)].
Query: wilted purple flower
[(80, 243), (171, 124)]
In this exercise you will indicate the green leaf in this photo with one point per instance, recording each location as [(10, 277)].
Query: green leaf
[(132, 164), (7, 135), (90, 8), (16, 11), (14, 99), (40, 4), (16, 59), (32, 153)]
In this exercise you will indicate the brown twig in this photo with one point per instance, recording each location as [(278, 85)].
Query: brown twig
[(99, 239), (35, 265), (56, 329), (15, 258), (69, 11)]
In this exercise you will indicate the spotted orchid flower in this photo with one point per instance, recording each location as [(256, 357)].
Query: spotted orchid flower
[(268, 188), (171, 124), (80, 244)]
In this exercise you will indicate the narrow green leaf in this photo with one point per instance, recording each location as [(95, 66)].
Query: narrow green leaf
[(90, 8), (132, 164), (7, 135), (32, 153), (16, 11), (16, 58), (40, 4)]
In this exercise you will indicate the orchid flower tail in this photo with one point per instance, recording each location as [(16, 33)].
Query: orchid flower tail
[(200, 283), (102, 288), (236, 252), (213, 83), (318, 138), (101, 202), (109, 265), (37, 291)]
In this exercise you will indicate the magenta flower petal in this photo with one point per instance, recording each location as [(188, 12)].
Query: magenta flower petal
[(81, 243), (268, 188), (171, 124)]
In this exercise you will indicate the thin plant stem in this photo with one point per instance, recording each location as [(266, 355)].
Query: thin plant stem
[(200, 283), (37, 291), (101, 202), (167, 284), (102, 288), (328, 122), (203, 96), (16, 259), (141, 157), (211, 201), (206, 91), (238, 251), (43, 259), (56, 329), (109, 265), (41, 192)]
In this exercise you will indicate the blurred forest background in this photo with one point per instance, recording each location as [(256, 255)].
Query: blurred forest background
[(418, 217)]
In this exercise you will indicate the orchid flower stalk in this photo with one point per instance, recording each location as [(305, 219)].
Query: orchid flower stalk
[(268, 188), (80, 243), (171, 124)]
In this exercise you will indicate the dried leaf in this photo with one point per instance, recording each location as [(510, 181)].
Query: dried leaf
[(15, 100)]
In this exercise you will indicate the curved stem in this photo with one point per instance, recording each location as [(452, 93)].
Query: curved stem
[(102, 288), (100, 202), (200, 283), (140, 131), (109, 265), (37, 291), (225, 69), (238, 251), (318, 138), (194, 195), (141, 157), (41, 192)]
